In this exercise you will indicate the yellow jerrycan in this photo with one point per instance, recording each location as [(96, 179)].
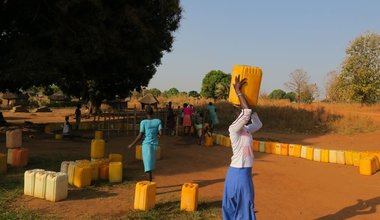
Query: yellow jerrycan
[(145, 195), (189, 197), (252, 87)]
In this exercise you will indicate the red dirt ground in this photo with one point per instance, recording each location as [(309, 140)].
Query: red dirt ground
[(286, 187)]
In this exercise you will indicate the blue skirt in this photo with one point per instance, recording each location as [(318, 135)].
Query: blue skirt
[(149, 155), (238, 196)]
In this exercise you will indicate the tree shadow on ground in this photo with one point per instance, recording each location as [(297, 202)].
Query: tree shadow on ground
[(362, 207), (88, 193)]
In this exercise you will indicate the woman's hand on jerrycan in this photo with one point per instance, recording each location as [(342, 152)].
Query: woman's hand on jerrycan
[(238, 84)]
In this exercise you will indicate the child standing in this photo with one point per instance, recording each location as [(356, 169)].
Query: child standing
[(198, 122), (205, 131), (66, 127)]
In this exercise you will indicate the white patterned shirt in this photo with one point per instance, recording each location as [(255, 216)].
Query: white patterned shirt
[(241, 138)]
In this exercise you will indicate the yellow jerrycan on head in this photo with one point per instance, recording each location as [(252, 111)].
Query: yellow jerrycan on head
[(252, 87)]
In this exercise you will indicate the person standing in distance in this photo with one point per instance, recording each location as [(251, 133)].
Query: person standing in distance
[(213, 117), (238, 196), (78, 115), (150, 131)]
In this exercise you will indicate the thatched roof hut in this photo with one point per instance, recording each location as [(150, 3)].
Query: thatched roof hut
[(58, 97), (13, 98), (149, 99)]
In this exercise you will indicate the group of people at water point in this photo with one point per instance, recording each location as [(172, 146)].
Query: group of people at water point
[(190, 119), (238, 196)]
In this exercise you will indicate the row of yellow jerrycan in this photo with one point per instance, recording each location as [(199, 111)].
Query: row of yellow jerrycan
[(88, 126), (82, 172), (49, 185), (145, 196), (113, 125), (368, 162), (209, 139), (139, 152), (98, 136), (49, 128), (221, 140)]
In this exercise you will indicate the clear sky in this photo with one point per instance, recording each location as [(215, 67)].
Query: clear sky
[(277, 35)]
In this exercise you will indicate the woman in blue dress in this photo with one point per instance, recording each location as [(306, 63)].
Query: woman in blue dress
[(213, 117), (150, 130), (239, 194)]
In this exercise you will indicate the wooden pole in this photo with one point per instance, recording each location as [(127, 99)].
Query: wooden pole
[(134, 121)]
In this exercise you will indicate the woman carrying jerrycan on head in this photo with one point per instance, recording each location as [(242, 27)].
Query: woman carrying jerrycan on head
[(150, 131), (238, 196)]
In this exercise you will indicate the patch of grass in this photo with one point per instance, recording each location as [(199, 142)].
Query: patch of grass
[(316, 118), (12, 185), (171, 210), (10, 189), (352, 124), (283, 118), (51, 162)]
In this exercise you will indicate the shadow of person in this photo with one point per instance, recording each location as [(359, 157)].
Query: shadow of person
[(362, 207), (203, 183)]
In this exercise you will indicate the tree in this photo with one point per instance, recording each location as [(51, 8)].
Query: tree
[(309, 93), (277, 94), (50, 90), (210, 81), (89, 49), (360, 76), (194, 94), (183, 94), (291, 96), (154, 91), (171, 92), (299, 84), (263, 95), (222, 90), (333, 92)]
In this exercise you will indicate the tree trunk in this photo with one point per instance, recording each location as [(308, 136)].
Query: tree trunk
[(95, 108)]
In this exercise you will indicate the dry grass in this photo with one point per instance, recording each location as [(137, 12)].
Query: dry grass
[(320, 117), (176, 101), (353, 123), (285, 117)]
